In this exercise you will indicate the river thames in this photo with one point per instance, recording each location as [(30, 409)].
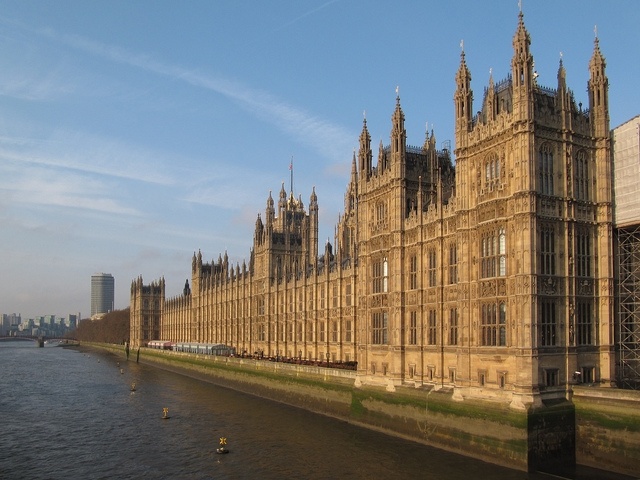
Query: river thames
[(69, 413)]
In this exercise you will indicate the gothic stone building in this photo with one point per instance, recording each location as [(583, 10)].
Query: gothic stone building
[(493, 277)]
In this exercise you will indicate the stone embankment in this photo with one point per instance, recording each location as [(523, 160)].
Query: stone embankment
[(607, 423)]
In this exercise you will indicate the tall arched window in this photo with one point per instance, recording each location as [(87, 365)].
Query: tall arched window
[(380, 276), (547, 251), (582, 176), (502, 333), (493, 253), (492, 172), (545, 169), (385, 275)]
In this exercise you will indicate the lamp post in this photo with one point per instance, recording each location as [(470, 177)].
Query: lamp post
[(327, 359)]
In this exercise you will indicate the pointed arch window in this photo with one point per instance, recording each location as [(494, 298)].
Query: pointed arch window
[(493, 256), (502, 324), (582, 176), (380, 275), (492, 172), (413, 328), (547, 330), (413, 272), (547, 251), (379, 328), (453, 326), (453, 263), (385, 275), (493, 317), (545, 169), (583, 254), (432, 267)]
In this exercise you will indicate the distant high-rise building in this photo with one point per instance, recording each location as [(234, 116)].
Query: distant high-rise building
[(102, 293)]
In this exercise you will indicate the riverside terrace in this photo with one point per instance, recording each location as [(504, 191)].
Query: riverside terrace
[(223, 350)]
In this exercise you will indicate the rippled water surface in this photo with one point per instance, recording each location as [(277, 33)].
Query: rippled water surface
[(70, 414)]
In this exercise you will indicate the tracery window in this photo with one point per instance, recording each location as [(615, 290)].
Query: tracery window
[(379, 328), (585, 323), (381, 213), (413, 272), (582, 176), (453, 326), (583, 254), (380, 275), (432, 331), (493, 324), (310, 336), (413, 328), (432, 266), (492, 172), (493, 255), (545, 169), (547, 325), (334, 331), (547, 251), (453, 263)]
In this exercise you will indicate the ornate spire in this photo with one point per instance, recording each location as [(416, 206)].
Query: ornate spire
[(562, 76), (522, 62), (282, 202), (598, 88), (313, 200), (270, 212), (463, 98), (597, 63), (398, 133), (364, 153), (354, 169)]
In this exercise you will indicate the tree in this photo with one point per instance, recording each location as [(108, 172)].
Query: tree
[(112, 328)]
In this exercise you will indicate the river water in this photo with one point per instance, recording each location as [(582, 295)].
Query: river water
[(69, 414)]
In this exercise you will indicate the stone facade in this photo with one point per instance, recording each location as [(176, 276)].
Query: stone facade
[(492, 278)]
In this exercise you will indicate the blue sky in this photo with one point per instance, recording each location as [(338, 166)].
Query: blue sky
[(133, 133)]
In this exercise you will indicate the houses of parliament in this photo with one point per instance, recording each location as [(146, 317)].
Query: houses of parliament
[(492, 276)]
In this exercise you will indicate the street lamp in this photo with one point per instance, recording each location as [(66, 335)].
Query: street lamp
[(327, 359)]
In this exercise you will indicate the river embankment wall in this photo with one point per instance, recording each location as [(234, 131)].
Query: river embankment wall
[(608, 429), (485, 430)]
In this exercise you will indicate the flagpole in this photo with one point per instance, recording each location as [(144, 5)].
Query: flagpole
[(291, 172)]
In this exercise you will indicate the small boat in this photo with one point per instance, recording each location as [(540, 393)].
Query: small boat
[(165, 413), (221, 448), (133, 387)]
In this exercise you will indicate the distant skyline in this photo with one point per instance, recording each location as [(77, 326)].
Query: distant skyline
[(133, 134)]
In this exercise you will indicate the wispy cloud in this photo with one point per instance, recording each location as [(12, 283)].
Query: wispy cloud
[(25, 85), (306, 14), (86, 153), (51, 188), (328, 139)]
